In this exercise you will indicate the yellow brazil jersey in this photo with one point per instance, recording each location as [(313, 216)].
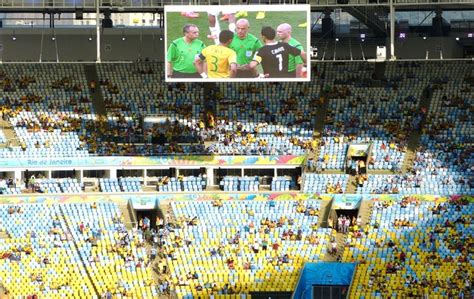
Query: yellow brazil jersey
[(219, 59)]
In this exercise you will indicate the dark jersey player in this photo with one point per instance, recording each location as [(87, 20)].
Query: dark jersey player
[(274, 56)]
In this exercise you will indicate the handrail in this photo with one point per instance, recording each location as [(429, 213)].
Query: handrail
[(131, 213), (352, 280)]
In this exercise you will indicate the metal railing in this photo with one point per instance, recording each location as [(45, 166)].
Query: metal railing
[(154, 4)]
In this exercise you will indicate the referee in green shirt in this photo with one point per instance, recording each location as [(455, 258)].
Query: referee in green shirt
[(295, 63), (182, 52), (245, 45)]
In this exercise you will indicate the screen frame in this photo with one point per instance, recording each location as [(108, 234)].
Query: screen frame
[(303, 8)]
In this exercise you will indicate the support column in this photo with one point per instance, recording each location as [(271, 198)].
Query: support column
[(392, 31), (210, 176), (97, 27)]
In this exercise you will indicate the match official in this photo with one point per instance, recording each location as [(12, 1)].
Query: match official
[(182, 53), (245, 46), (295, 63)]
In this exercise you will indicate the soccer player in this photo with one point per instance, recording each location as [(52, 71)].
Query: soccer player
[(221, 62), (245, 45), (295, 63), (214, 26), (182, 52), (274, 56)]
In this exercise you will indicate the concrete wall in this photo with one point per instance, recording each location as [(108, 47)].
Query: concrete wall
[(416, 48), (74, 45)]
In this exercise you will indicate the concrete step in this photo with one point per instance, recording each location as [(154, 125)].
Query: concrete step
[(9, 132), (324, 211), (351, 185), (127, 219), (97, 98), (365, 211)]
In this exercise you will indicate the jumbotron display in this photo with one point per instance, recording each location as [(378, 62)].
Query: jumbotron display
[(237, 43)]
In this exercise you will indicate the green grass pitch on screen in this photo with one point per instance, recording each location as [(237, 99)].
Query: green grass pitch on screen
[(175, 23)]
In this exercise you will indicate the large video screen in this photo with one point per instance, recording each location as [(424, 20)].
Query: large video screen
[(237, 43)]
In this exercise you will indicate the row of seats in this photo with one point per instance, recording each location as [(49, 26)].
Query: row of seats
[(3, 138), (416, 184), (186, 184), (234, 183), (281, 183), (325, 183), (8, 190), (122, 184)]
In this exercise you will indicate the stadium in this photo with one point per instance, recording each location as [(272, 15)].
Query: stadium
[(354, 178)]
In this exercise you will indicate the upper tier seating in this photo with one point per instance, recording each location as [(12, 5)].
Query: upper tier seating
[(273, 118), (362, 111), (132, 92), (45, 104), (445, 154)]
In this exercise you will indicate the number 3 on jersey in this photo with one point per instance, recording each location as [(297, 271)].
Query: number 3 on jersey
[(214, 63)]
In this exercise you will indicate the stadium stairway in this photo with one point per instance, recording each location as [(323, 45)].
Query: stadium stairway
[(127, 218), (320, 116), (324, 211), (97, 98), (415, 136), (9, 132), (76, 248), (365, 211), (351, 185)]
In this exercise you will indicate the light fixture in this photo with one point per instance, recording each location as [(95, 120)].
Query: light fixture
[(470, 35), (337, 39), (161, 38), (363, 40), (424, 37), (124, 38), (90, 38), (402, 35), (14, 38), (457, 38), (53, 38), (362, 35)]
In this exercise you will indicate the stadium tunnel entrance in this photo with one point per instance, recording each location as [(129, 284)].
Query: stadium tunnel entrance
[(334, 215), (151, 214)]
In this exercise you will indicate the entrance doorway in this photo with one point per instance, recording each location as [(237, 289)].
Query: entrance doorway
[(334, 216), (150, 214)]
